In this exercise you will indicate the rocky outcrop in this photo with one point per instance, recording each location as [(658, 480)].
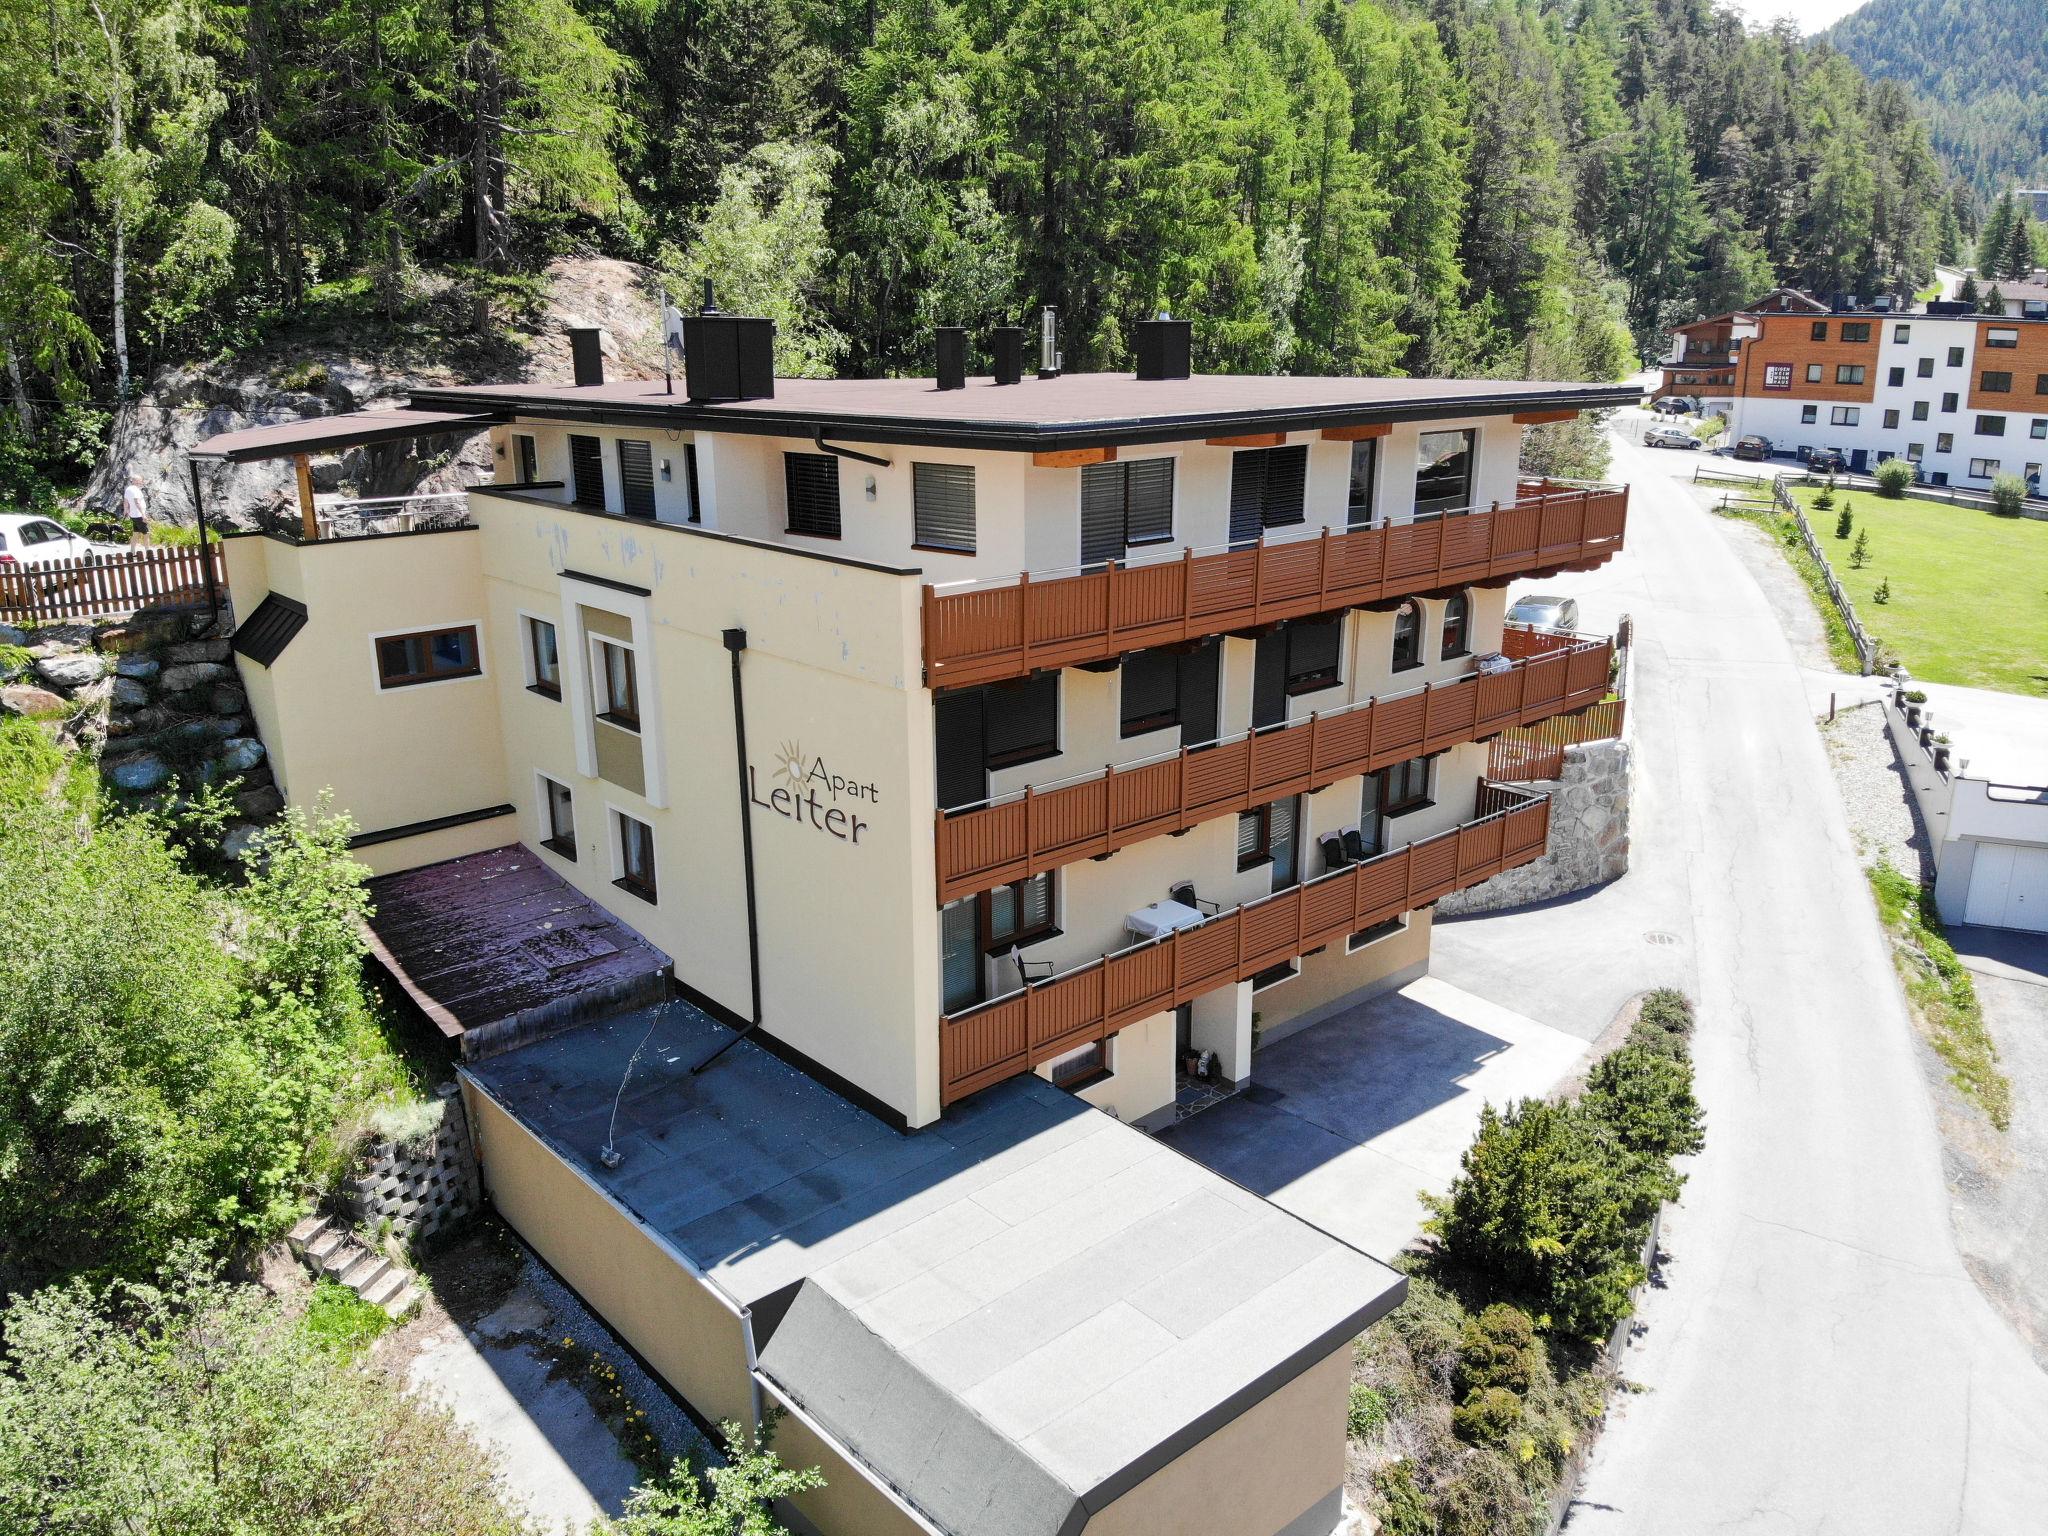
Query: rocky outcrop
[(365, 365), (1589, 814)]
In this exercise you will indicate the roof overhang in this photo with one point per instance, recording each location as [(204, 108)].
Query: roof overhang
[(331, 434)]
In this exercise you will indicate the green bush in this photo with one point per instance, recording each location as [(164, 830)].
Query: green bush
[(1367, 1413), (1398, 1505), (1894, 478), (1484, 1496), (733, 1499), (1824, 498), (1490, 1416), (2008, 495), (1645, 1099), (1883, 592), (1499, 1349), (1664, 1022), (341, 1320)]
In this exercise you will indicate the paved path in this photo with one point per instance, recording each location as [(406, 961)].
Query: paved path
[(1350, 1118), (1819, 1360)]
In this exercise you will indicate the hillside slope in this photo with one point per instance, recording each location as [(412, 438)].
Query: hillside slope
[(1981, 67), (353, 364)]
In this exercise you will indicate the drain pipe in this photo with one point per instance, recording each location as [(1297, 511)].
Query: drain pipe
[(736, 642)]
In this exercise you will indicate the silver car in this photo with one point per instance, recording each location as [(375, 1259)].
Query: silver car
[(1545, 611), (1666, 437)]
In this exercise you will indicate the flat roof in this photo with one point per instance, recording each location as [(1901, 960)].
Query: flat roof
[(325, 434), (1010, 1316), (1074, 410)]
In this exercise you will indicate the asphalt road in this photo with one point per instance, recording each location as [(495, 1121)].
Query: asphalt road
[(1817, 1359)]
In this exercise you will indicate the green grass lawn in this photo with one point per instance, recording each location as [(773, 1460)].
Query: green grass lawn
[(1969, 591)]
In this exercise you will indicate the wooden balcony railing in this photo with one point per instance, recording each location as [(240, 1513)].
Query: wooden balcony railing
[(991, 844), (984, 633), (1013, 1034)]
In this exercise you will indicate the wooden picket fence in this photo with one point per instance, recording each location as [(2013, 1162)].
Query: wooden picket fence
[(156, 576)]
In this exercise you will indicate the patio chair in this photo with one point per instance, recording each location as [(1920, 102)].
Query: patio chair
[(1334, 856), (1184, 893), (1354, 845)]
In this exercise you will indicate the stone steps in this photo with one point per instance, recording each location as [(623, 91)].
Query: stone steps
[(329, 1249)]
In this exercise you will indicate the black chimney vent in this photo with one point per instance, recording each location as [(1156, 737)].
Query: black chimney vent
[(1163, 347), (586, 347), (1006, 353), (949, 342), (728, 357)]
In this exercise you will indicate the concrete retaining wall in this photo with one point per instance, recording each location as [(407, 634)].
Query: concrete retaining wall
[(423, 1186)]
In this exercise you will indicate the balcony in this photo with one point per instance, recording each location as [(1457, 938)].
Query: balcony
[(1013, 1034), (1041, 829), (980, 634)]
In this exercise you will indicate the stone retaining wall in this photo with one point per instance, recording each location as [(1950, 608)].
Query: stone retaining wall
[(1589, 837), (424, 1185)]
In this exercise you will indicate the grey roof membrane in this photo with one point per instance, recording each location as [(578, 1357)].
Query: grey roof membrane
[(1010, 1316)]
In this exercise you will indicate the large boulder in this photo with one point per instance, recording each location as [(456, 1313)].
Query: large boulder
[(239, 754), (138, 774), (194, 674), (142, 668), (129, 693), (260, 803), (197, 650), (9, 635), (27, 699), (237, 843), (71, 670)]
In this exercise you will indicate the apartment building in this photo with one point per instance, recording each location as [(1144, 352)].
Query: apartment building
[(1703, 354), (1962, 395), (992, 753)]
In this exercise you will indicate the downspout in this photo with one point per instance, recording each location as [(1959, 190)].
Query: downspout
[(735, 643), (818, 437), (206, 556)]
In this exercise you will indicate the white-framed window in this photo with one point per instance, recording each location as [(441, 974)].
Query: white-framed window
[(557, 805), (1365, 938), (1983, 469), (633, 856), (942, 507), (615, 681), (543, 655)]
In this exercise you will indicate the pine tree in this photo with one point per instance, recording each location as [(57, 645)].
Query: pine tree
[(1994, 302), (1995, 239)]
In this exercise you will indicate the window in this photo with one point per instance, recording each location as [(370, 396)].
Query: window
[(1407, 636), (1925, 368), (1814, 372), (525, 458), (810, 483), (1312, 649), (635, 855), (1844, 416), (431, 656), (1919, 410), (1855, 330), (1983, 469), (1944, 442), (1375, 933), (542, 660), (636, 477), (1995, 383), (618, 681), (1916, 451), (1022, 720), (1991, 426), (1443, 471), (1955, 357), (1273, 975), (558, 817), (942, 507), (690, 480), (1457, 618), (1902, 333), (1777, 376), (1017, 913), (1820, 330), (1948, 402), (1365, 467), (1124, 505), (960, 967), (1265, 835), (1848, 373), (1080, 1066), (2041, 383), (2040, 427), (1891, 419), (1167, 688), (1808, 414), (1405, 786), (2003, 336), (1268, 489), (586, 472), (1896, 377)]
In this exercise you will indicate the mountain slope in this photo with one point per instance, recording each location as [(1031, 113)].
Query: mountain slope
[(1981, 66)]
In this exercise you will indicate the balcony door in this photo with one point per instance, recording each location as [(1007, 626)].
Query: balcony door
[(1269, 679), (1443, 471)]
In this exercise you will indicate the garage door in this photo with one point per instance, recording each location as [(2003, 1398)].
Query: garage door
[(2009, 887)]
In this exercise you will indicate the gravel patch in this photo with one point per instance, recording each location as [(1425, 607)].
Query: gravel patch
[(1883, 817)]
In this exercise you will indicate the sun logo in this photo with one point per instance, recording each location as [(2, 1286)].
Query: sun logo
[(789, 765)]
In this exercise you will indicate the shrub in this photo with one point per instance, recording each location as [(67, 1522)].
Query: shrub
[(1645, 1099), (1483, 1496), (342, 1321), (2008, 495), (1664, 1022), (1844, 522), (1916, 695), (718, 1501), (1367, 1413), (1883, 594), (1894, 478), (1398, 1505), (1824, 498), (1498, 1349), (1859, 552), (1489, 1416)]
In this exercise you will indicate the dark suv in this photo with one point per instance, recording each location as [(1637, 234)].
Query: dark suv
[(1752, 447)]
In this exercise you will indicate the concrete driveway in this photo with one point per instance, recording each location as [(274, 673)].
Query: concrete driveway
[(1348, 1120), (1819, 1359)]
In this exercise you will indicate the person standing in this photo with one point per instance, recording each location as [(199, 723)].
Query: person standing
[(135, 507)]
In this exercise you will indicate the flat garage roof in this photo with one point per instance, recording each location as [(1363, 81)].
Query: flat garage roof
[(1011, 1316)]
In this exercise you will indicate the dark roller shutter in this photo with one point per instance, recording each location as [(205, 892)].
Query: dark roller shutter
[(1269, 679), (962, 754), (1286, 486), (636, 477), (1148, 514), (811, 481), (1022, 719), (586, 465), (942, 500), (1247, 495), (690, 477), (1150, 690), (1312, 649), (1198, 679), (1102, 513)]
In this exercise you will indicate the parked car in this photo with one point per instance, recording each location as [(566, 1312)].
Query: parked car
[(1827, 458), (27, 540), (1752, 447), (1669, 437), (1675, 405), (1545, 611)]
